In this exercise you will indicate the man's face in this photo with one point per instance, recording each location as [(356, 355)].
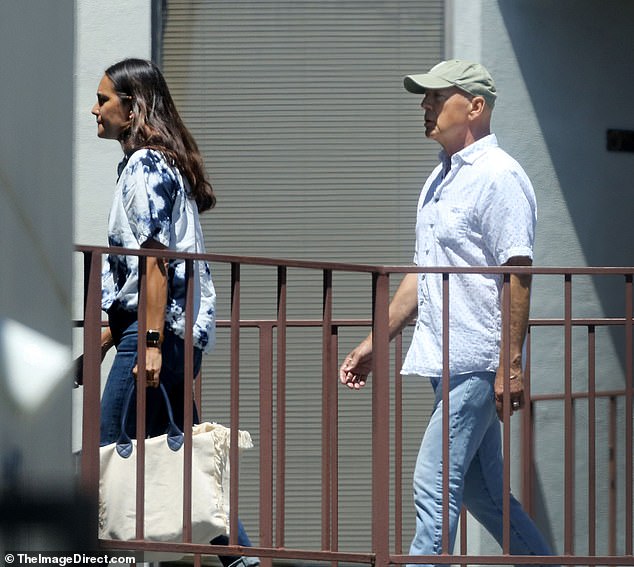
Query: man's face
[(446, 115)]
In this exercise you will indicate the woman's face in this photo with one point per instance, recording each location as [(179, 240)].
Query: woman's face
[(112, 112)]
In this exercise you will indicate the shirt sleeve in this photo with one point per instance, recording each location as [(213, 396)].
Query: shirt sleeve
[(148, 191), (509, 216)]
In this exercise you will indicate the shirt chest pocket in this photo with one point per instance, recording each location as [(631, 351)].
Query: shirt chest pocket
[(452, 225)]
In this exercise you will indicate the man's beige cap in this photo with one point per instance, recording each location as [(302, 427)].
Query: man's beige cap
[(468, 76)]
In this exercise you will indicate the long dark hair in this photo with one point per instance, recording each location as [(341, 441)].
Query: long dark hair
[(156, 124)]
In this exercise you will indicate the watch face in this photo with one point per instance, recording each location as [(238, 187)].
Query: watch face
[(153, 336)]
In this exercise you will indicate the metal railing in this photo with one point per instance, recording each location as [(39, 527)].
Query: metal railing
[(387, 466)]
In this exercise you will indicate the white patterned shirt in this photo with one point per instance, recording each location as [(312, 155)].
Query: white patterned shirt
[(152, 201), (477, 209)]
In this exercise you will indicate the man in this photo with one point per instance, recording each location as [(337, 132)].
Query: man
[(477, 208)]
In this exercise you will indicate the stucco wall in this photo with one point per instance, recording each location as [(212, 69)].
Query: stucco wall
[(105, 35), (562, 68)]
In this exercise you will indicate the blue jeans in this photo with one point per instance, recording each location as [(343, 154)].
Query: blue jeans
[(475, 471), (125, 330), (124, 327)]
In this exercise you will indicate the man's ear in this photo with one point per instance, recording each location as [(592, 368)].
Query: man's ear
[(478, 106)]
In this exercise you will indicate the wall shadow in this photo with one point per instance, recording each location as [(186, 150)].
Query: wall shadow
[(575, 57)]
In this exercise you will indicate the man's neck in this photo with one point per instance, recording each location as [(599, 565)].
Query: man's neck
[(470, 138)]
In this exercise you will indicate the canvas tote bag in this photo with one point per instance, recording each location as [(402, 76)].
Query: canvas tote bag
[(164, 482)]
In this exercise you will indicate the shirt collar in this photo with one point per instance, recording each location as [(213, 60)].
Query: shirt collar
[(122, 165), (469, 154)]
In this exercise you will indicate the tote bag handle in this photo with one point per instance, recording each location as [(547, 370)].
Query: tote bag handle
[(175, 437)]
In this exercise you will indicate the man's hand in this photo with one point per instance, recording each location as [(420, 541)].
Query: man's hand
[(516, 390), (520, 288), (357, 365)]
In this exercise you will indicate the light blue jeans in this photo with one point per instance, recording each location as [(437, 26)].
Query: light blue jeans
[(475, 473)]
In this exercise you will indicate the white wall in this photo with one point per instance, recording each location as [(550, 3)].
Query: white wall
[(105, 34), (563, 72)]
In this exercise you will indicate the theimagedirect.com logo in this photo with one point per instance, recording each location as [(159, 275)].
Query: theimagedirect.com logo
[(63, 559)]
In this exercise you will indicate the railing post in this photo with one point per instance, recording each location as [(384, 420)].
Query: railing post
[(235, 402), (527, 431), (188, 400), (446, 377), (266, 439), (506, 403), (329, 508), (91, 374), (612, 492), (380, 419), (629, 434), (398, 446), (141, 399), (281, 406), (569, 469), (592, 445)]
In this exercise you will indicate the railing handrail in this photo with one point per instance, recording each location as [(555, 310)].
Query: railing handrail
[(360, 267), (380, 554)]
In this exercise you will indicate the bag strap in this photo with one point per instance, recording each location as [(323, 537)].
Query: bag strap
[(175, 437)]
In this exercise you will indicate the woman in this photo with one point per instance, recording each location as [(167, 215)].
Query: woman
[(161, 189)]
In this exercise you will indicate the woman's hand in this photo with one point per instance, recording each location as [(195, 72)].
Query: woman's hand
[(106, 344), (153, 362)]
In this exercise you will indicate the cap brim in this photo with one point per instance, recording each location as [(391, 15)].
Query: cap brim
[(418, 84)]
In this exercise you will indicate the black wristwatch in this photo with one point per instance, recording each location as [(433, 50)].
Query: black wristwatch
[(153, 338)]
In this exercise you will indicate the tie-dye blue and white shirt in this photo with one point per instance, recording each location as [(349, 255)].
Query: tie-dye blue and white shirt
[(152, 201)]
